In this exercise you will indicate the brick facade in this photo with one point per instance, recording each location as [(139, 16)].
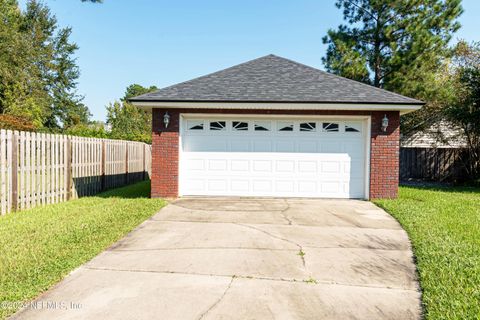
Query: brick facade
[(383, 159), (384, 156)]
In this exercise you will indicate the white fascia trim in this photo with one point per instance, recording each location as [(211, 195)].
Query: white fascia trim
[(212, 116), (403, 108)]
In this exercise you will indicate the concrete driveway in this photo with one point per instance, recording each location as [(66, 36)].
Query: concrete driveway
[(247, 259)]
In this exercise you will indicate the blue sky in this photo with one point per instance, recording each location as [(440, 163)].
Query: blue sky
[(161, 42)]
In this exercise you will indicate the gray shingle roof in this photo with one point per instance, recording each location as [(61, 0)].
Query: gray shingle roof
[(274, 79)]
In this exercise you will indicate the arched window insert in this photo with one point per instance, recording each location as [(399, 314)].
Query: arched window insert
[(352, 127), (239, 126), (330, 127), (262, 126), (218, 125), (285, 126), (195, 125), (308, 126)]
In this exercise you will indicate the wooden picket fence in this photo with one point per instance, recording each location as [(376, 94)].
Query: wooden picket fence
[(38, 168)]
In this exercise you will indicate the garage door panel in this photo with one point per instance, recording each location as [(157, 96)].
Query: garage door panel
[(240, 165), (355, 150), (217, 185), (262, 165), (262, 186), (240, 186), (331, 147), (355, 189), (240, 146), (272, 163), (307, 186), (355, 169), (217, 165), (285, 186), (285, 146), (196, 164), (308, 146), (195, 185), (307, 166), (285, 166), (262, 146), (330, 166)]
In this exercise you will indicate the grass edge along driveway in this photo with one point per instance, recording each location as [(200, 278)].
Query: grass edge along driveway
[(41, 246), (443, 225)]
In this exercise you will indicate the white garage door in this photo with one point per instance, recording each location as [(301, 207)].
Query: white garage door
[(278, 157)]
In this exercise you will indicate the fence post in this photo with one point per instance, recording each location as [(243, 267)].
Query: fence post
[(69, 168), (103, 166), (126, 163), (144, 165), (15, 171)]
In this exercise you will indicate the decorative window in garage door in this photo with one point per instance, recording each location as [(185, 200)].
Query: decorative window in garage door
[(195, 124), (240, 126), (308, 127), (285, 126), (352, 126), (262, 125), (218, 125), (330, 127), (266, 126)]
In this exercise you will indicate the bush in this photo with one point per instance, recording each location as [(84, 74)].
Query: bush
[(87, 130), (10, 122)]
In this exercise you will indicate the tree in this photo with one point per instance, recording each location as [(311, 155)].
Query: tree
[(57, 68), (20, 91), (464, 111), (457, 103), (128, 122), (38, 72), (136, 90), (94, 129), (392, 44)]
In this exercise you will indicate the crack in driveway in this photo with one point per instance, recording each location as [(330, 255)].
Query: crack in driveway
[(218, 301), (301, 253), (283, 212), (254, 248), (318, 282), (263, 209), (203, 248)]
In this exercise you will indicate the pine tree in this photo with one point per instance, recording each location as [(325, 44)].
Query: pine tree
[(392, 44)]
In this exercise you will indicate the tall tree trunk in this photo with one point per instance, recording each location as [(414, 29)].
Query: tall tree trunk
[(377, 61)]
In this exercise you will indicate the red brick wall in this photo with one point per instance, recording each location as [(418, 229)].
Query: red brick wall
[(383, 162), (164, 155), (384, 156)]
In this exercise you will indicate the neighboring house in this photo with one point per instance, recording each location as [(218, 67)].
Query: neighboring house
[(275, 127), (434, 154), (441, 134)]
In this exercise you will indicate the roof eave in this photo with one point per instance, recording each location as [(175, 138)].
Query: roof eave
[(403, 107)]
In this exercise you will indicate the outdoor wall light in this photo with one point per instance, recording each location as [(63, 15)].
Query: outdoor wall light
[(166, 119), (384, 123)]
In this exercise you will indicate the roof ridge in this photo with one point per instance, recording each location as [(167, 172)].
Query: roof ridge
[(332, 75)]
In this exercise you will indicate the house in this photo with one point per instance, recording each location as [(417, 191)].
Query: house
[(441, 134), (276, 128)]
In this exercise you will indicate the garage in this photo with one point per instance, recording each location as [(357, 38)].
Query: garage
[(274, 157), (273, 127)]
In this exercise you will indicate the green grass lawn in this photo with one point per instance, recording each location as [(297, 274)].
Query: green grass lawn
[(444, 228), (42, 245)]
